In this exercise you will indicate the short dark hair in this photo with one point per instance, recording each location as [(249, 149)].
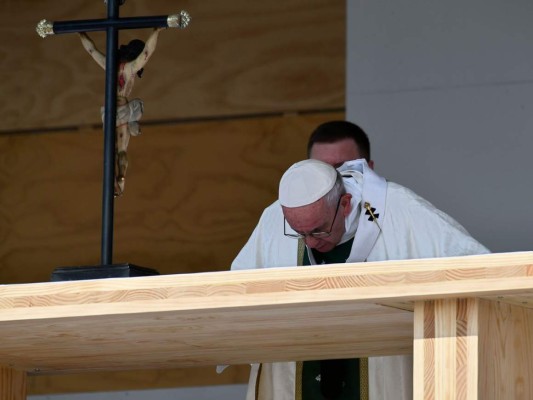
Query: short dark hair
[(129, 52), (333, 131)]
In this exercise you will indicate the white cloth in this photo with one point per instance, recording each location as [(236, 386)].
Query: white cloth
[(130, 113), (411, 227)]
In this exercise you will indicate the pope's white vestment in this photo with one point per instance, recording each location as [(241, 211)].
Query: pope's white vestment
[(410, 227)]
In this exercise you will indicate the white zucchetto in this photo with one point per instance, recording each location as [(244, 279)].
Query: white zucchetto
[(306, 182)]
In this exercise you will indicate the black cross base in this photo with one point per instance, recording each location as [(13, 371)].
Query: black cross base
[(100, 272), (111, 25)]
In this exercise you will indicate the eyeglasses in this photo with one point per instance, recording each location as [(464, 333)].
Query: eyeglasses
[(316, 235)]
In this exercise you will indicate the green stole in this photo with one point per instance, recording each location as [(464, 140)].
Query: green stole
[(332, 379)]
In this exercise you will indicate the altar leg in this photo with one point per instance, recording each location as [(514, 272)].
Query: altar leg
[(472, 349), (12, 384), (505, 350), (446, 350)]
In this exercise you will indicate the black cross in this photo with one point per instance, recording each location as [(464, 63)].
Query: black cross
[(112, 24), (370, 211)]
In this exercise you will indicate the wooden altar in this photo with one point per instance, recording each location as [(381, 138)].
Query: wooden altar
[(467, 319)]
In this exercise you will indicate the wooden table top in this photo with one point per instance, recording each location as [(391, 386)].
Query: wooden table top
[(237, 317)]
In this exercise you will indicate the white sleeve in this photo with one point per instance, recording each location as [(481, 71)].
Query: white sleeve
[(414, 228), (267, 247), (248, 257)]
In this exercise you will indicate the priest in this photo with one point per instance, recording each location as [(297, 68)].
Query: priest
[(346, 215)]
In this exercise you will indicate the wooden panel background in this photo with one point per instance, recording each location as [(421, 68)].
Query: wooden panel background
[(136, 380), (193, 194), (237, 57), (229, 104)]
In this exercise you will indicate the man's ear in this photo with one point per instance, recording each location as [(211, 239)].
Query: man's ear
[(346, 202)]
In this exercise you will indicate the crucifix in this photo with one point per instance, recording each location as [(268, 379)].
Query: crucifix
[(117, 87)]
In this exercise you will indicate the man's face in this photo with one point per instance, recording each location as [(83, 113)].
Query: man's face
[(319, 217), (335, 153)]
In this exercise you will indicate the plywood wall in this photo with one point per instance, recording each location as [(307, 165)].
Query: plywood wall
[(235, 58), (193, 194), (229, 104)]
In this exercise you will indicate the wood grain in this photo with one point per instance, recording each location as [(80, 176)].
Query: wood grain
[(295, 313), (506, 351), (136, 380), (236, 58), (12, 384), (446, 350), (422, 351), (472, 348), (194, 193)]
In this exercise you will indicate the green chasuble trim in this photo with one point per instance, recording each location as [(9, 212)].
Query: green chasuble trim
[(332, 379), (338, 255)]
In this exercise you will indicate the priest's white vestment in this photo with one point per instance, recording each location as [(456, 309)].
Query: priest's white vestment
[(409, 227)]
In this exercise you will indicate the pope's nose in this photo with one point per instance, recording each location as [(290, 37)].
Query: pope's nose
[(311, 241)]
